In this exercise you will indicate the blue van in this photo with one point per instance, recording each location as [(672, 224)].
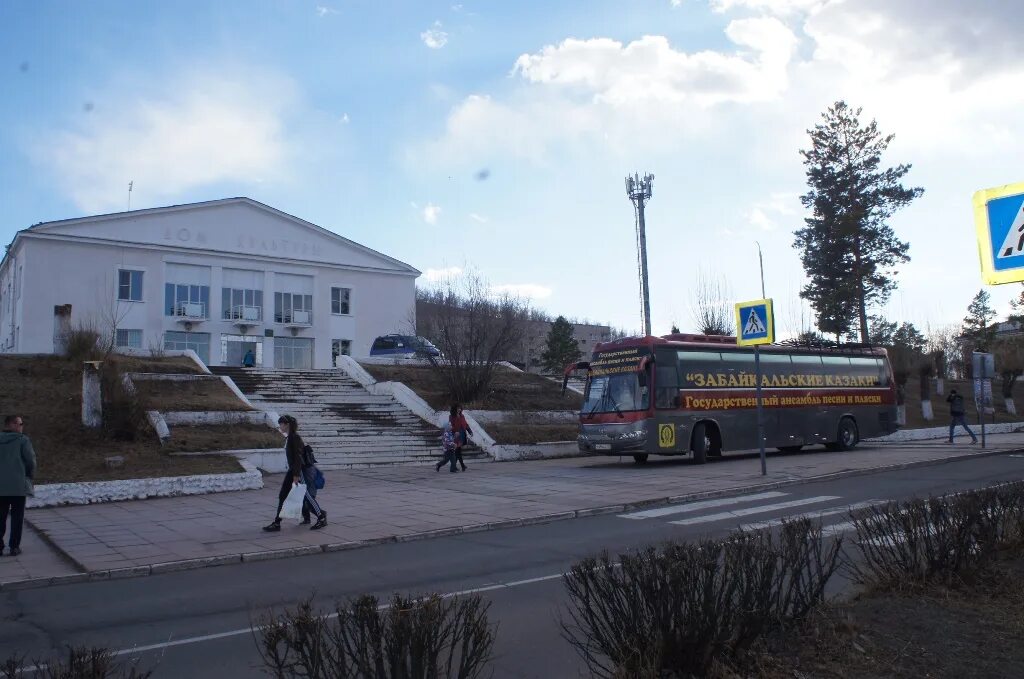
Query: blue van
[(403, 345)]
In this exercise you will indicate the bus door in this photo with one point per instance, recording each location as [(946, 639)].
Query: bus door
[(668, 433)]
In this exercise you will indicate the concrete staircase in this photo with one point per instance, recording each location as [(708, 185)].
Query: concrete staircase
[(346, 425)]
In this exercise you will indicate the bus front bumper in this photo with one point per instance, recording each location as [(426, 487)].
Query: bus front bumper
[(612, 443)]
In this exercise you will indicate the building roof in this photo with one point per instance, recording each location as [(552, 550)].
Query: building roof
[(45, 228)]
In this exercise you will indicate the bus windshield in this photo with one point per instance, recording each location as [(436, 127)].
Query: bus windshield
[(615, 393)]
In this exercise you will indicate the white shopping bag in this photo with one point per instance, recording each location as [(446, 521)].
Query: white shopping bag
[(292, 507)]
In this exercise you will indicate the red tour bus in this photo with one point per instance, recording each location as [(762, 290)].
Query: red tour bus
[(695, 395)]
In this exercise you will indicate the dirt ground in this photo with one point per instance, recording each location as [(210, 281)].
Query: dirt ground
[(972, 630), (510, 390), (47, 391), (165, 395)]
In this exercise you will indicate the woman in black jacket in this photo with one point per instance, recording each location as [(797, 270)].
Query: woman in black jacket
[(293, 450)]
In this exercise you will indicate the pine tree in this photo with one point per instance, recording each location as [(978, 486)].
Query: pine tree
[(978, 322), (560, 348), (848, 251)]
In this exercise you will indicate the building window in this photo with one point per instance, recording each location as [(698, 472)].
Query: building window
[(340, 300), (129, 285), (198, 342), (241, 304), (292, 307), (131, 339), (191, 301), (293, 352), (340, 347)]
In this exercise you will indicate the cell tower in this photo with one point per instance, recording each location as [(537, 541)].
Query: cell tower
[(639, 191)]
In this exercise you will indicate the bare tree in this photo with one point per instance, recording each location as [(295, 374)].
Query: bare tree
[(711, 310), (474, 329)]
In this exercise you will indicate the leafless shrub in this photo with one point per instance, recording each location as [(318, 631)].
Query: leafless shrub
[(83, 344), (413, 638), (679, 610), (913, 543), (81, 663)]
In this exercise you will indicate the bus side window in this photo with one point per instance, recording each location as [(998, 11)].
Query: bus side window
[(873, 369), (666, 386)]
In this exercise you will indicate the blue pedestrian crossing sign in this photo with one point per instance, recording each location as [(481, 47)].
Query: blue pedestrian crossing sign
[(999, 222), (755, 322)]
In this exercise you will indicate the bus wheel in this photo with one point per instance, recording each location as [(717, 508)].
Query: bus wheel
[(640, 459), (700, 443), (848, 435)]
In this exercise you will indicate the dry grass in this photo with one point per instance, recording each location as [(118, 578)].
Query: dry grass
[(224, 437), (510, 390), (168, 395), (532, 433), (970, 631), (47, 392), (966, 389)]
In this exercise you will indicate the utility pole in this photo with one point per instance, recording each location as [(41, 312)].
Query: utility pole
[(639, 191)]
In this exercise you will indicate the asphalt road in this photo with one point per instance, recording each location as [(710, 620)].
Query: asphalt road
[(195, 623)]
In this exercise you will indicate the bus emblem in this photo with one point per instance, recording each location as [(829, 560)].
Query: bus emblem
[(666, 435)]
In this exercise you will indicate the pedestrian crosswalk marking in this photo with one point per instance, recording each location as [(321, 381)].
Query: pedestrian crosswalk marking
[(703, 504), (754, 325), (1013, 244), (771, 523), (754, 510)]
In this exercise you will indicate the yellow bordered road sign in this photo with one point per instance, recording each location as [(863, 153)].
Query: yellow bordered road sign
[(666, 435), (999, 223), (755, 322)]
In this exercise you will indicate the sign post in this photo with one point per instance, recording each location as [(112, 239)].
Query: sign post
[(755, 325), (999, 223), (983, 367)]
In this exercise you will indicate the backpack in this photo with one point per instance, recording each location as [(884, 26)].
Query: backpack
[(308, 459)]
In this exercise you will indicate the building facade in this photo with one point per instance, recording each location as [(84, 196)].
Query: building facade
[(222, 278)]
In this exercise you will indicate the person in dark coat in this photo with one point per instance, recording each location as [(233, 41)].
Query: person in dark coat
[(956, 415), (17, 466), (293, 449), (249, 360)]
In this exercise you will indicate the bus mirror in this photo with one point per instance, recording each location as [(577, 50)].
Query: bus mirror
[(642, 378)]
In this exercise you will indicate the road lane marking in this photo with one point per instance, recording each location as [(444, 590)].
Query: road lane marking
[(771, 523), (755, 510), (184, 641), (703, 504)]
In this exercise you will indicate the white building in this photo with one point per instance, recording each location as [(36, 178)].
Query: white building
[(221, 277)]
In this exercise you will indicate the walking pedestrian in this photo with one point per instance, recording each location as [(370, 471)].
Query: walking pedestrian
[(249, 360), (448, 448), (17, 467), (461, 430), (293, 450), (956, 415)]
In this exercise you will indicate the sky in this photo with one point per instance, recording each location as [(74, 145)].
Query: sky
[(494, 137)]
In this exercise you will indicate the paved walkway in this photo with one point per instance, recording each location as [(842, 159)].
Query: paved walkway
[(400, 502)]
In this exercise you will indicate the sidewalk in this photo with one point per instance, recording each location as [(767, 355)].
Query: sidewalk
[(397, 503)]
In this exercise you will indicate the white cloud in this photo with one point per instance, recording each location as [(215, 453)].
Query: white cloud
[(781, 7), (523, 290), (438, 275), (650, 69), (677, 3), (478, 218), (434, 37), (322, 10), (430, 213), (344, 118), (198, 130)]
